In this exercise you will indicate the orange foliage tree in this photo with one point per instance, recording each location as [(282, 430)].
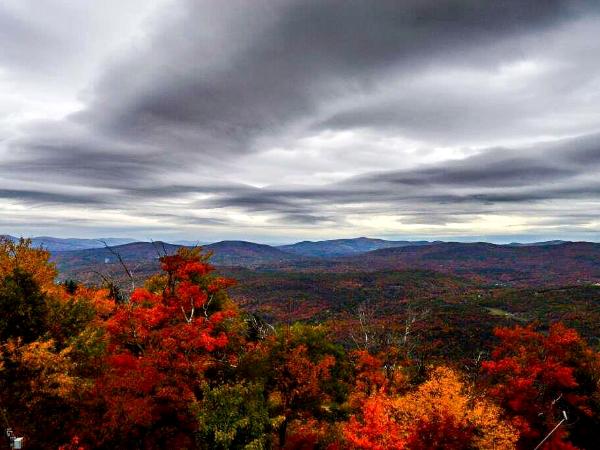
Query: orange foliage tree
[(297, 385), (48, 345), (442, 413), (19, 255), (301, 372)]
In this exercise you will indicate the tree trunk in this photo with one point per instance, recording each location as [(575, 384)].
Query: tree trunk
[(283, 432)]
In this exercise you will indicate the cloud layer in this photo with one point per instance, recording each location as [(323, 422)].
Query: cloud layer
[(299, 119)]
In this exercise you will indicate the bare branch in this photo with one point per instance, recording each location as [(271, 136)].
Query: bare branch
[(120, 259), (156, 249)]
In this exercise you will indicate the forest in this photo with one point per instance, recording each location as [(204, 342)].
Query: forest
[(190, 358)]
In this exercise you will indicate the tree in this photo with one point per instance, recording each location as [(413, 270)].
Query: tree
[(23, 307), (34, 261), (442, 413), (233, 416), (537, 376), (297, 385), (47, 339), (161, 346), (303, 374)]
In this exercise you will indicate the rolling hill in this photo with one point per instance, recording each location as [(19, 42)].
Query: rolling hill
[(553, 264), (54, 244), (569, 263), (143, 258), (247, 254), (344, 247), (135, 252)]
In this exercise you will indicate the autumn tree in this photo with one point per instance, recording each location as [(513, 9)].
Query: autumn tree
[(442, 413), (297, 386), (536, 376), (233, 416), (396, 344), (20, 255), (373, 376), (162, 344), (47, 338), (23, 307), (303, 374)]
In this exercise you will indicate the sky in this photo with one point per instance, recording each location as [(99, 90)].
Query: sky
[(277, 121)]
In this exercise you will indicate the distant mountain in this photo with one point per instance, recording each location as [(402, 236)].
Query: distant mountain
[(95, 264), (313, 249), (566, 263), (533, 244), (54, 244), (531, 265), (246, 254), (344, 247), (188, 243), (135, 251), (142, 257)]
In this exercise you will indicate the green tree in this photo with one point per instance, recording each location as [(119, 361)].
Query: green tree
[(23, 307), (233, 416)]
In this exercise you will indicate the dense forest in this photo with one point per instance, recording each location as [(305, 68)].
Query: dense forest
[(192, 360)]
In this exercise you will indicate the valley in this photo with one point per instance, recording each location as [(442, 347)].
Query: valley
[(462, 290)]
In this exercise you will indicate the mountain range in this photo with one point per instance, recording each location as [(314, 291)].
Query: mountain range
[(344, 247), (313, 249), (54, 244), (326, 248), (510, 264)]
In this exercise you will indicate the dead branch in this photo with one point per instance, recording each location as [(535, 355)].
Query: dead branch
[(120, 259)]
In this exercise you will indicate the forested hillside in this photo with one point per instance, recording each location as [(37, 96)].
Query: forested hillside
[(374, 360), (541, 265)]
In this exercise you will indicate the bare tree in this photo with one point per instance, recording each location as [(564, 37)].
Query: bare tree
[(130, 273), (413, 317), (120, 259), (368, 337)]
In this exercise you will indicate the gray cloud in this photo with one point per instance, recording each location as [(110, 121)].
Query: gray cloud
[(262, 67), (32, 197), (230, 108), (486, 182)]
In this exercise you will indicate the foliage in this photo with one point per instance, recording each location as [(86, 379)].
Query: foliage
[(33, 261), (441, 413), (161, 343), (23, 307), (537, 376), (49, 345), (233, 416), (296, 366), (177, 365)]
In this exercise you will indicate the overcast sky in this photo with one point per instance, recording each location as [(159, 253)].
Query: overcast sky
[(284, 120)]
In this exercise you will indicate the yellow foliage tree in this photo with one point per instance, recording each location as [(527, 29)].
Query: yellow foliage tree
[(50, 372), (35, 261), (442, 413), (50, 342)]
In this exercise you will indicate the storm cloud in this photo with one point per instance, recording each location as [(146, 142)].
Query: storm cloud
[(295, 119)]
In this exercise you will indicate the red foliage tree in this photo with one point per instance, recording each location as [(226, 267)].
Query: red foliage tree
[(297, 385), (537, 376), (377, 429), (160, 346)]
